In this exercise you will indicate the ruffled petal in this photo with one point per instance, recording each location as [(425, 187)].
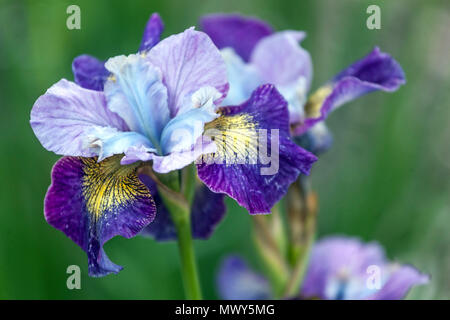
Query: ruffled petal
[(67, 117), (236, 281), (235, 31), (152, 32), (89, 72), (376, 71), (188, 61), (183, 131), (91, 202), (207, 211), (237, 168), (179, 159), (137, 94)]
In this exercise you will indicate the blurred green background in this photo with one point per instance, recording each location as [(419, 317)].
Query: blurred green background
[(386, 177)]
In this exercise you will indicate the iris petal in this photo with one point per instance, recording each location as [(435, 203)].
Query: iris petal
[(376, 71), (89, 72), (66, 118), (152, 32), (188, 61), (92, 202), (137, 94), (236, 169), (235, 31), (236, 281)]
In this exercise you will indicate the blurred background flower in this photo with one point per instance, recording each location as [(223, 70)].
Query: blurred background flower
[(386, 178)]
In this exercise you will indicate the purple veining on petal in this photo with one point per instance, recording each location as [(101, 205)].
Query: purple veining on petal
[(152, 32), (266, 109), (236, 281), (70, 206), (64, 118), (235, 31), (188, 61)]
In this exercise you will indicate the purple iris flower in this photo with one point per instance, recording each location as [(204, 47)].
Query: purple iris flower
[(255, 54), (339, 268), (158, 107)]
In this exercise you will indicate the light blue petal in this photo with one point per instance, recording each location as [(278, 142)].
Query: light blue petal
[(137, 94), (109, 142), (243, 78), (182, 132)]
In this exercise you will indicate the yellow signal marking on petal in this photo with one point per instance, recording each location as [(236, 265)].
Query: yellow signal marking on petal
[(107, 185), (236, 138), (315, 101)]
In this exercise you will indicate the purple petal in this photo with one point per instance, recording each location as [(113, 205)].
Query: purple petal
[(376, 71), (65, 117), (208, 209), (343, 268), (235, 31), (336, 257), (152, 32), (188, 61), (280, 59), (244, 178), (237, 282), (89, 72), (92, 202), (400, 282)]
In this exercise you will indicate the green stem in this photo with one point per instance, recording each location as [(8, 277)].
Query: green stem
[(189, 271), (178, 205)]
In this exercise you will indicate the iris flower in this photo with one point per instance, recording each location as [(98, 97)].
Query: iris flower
[(256, 54), (340, 268), (159, 107)]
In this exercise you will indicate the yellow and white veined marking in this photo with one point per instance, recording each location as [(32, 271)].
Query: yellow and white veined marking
[(107, 185), (236, 139)]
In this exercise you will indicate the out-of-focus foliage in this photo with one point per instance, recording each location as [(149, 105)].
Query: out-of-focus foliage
[(386, 177)]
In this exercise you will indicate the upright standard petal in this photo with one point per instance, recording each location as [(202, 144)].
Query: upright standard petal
[(236, 281), (235, 31), (280, 60), (245, 136), (207, 211), (137, 94), (67, 116), (188, 61), (92, 202), (152, 32), (345, 268), (89, 72), (376, 71)]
